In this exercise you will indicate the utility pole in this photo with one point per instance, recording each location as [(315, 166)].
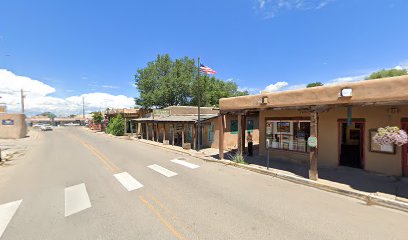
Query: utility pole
[(83, 107), (22, 100), (199, 103)]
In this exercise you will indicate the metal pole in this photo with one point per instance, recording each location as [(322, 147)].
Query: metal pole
[(83, 108), (267, 163), (199, 103), (22, 101)]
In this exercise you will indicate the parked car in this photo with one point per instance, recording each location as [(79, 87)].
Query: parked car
[(46, 128)]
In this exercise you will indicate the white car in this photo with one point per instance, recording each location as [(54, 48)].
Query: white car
[(46, 128)]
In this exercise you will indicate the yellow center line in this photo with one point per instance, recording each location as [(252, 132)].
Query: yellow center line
[(106, 162), (103, 158), (175, 217), (162, 219)]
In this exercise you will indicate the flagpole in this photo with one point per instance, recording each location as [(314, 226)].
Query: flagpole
[(199, 103)]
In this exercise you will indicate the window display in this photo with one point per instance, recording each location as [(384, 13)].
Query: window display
[(290, 135)]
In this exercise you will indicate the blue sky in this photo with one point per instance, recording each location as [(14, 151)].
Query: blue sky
[(80, 47)]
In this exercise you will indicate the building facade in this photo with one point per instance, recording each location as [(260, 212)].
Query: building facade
[(343, 118)]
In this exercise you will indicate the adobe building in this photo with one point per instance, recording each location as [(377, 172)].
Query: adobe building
[(127, 113), (12, 125), (177, 125), (343, 118)]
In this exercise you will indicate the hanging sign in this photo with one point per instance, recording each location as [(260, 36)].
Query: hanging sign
[(312, 142)]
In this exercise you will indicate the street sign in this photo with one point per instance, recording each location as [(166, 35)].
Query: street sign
[(312, 142)]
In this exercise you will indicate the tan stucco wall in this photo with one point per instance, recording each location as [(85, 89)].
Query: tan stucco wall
[(231, 140), (328, 136), (374, 117), (379, 90), (18, 130)]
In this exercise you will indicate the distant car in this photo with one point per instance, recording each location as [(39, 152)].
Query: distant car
[(46, 128), (37, 125)]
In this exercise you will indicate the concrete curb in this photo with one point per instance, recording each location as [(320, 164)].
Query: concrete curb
[(368, 198)]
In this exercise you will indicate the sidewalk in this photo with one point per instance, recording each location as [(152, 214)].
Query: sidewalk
[(14, 148), (372, 188)]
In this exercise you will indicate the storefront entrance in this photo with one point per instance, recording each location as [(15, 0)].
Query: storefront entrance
[(351, 144), (405, 151)]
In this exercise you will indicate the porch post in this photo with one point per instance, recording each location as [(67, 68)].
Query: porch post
[(125, 126), (164, 132), (147, 130), (221, 136), (182, 135), (313, 174), (194, 136), (153, 133), (172, 136), (243, 125), (240, 151)]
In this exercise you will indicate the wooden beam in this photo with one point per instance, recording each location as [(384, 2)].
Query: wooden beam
[(164, 132), (243, 124), (182, 135), (194, 136), (313, 174), (173, 133), (147, 131), (153, 133), (221, 136), (240, 150)]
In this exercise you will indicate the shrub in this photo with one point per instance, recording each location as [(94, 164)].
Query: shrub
[(116, 126), (238, 158)]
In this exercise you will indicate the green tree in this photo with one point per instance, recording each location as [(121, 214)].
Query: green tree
[(164, 82), (116, 126), (97, 117), (387, 73), (48, 114), (315, 84)]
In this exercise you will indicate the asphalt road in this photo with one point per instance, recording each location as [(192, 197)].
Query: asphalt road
[(69, 189)]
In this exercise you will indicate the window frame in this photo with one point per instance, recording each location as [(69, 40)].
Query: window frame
[(287, 135)]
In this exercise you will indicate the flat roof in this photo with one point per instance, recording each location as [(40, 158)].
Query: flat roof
[(177, 118), (375, 91)]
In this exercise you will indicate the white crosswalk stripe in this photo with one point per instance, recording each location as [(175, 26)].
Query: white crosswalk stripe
[(162, 170), (76, 199), (7, 212), (184, 163), (128, 181)]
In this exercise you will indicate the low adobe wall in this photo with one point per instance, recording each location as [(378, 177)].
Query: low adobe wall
[(12, 125)]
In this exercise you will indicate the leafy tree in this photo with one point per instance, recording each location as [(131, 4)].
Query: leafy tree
[(116, 126), (164, 82), (387, 73), (48, 114), (315, 84), (97, 117)]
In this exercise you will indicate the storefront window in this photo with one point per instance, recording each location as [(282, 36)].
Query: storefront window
[(290, 135)]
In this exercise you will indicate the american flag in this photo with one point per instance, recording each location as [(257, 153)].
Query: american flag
[(206, 69)]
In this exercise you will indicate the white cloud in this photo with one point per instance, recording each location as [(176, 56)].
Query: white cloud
[(347, 79), (275, 87), (38, 97), (109, 86), (270, 8)]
